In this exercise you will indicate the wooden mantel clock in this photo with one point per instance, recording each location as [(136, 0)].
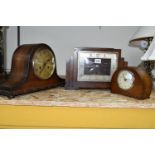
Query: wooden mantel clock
[(92, 67), (133, 82), (33, 69)]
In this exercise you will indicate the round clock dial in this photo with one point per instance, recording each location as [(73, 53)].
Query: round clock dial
[(132, 82), (125, 79), (43, 63)]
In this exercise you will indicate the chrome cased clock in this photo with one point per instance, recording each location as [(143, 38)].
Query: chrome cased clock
[(92, 67)]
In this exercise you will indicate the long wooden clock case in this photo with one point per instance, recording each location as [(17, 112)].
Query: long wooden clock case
[(24, 76)]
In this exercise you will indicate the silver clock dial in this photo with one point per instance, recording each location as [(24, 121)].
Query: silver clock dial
[(125, 79), (96, 66)]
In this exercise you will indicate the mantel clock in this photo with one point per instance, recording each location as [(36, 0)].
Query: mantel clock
[(133, 82), (92, 67), (33, 69)]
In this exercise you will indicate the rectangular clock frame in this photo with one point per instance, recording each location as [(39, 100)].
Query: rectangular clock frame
[(77, 78)]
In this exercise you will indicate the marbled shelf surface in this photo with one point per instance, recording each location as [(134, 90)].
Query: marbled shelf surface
[(79, 98)]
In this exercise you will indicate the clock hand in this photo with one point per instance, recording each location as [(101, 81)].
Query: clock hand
[(125, 79), (44, 65)]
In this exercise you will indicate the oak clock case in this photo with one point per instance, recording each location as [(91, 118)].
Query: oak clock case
[(92, 67), (33, 69), (132, 82)]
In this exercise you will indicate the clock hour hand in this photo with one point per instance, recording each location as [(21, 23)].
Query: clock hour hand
[(44, 65)]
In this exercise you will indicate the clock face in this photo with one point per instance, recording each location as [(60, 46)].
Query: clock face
[(125, 79), (96, 66), (43, 63)]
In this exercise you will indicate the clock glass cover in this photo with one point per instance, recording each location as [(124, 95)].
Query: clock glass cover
[(125, 80), (43, 63), (96, 66)]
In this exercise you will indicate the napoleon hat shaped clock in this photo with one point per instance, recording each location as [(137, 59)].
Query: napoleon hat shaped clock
[(132, 82), (33, 69)]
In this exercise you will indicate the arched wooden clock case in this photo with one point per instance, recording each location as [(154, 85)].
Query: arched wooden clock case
[(133, 82), (23, 76)]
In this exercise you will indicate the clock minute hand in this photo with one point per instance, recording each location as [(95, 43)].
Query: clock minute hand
[(43, 67), (45, 63)]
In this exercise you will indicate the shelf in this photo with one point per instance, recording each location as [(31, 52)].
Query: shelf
[(59, 108), (97, 98)]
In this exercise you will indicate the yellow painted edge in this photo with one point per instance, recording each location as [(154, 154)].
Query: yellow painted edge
[(67, 117)]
